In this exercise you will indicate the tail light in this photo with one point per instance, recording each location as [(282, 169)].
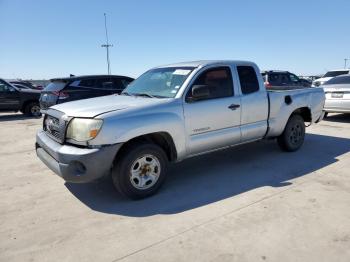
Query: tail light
[(267, 84), (61, 95)]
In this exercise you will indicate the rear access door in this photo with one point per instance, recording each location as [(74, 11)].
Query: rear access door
[(254, 101)]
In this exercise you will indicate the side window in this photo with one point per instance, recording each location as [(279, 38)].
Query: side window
[(120, 84), (247, 78), (87, 83), (104, 83), (274, 79), (284, 79), (294, 78), (4, 87), (219, 81), (125, 82)]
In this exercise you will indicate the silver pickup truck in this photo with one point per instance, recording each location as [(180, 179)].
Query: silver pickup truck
[(168, 114)]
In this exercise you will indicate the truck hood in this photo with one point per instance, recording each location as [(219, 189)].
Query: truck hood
[(96, 106)]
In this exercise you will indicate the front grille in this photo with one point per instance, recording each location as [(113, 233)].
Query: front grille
[(55, 127)]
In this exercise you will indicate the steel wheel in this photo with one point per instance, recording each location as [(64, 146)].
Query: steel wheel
[(296, 134), (140, 170), (145, 171), (293, 135)]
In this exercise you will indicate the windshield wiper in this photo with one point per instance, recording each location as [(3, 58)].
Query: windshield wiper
[(126, 94), (144, 94)]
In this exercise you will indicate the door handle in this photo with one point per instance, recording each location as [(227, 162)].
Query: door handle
[(233, 106)]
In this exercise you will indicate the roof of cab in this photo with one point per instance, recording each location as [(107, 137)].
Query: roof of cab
[(72, 78), (202, 63)]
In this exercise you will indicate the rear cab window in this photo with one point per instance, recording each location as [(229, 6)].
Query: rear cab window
[(248, 79)]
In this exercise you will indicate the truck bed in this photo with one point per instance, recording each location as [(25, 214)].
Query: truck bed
[(282, 103)]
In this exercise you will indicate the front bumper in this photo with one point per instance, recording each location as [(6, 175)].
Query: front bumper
[(75, 164)]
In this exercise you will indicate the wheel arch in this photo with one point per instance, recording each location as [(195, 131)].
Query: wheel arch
[(27, 102), (304, 112), (162, 139)]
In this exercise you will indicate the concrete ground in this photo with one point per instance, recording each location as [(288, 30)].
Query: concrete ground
[(251, 203)]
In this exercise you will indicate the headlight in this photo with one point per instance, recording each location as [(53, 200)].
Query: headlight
[(83, 129)]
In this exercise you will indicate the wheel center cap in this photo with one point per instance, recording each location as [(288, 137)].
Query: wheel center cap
[(145, 170)]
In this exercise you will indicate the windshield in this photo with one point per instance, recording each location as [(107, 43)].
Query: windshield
[(336, 73), (340, 80), (159, 82)]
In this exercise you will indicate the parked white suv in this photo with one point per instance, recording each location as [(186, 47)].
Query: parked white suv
[(329, 75)]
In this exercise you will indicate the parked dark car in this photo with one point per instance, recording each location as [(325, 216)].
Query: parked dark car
[(283, 79), (61, 90), (23, 84), (13, 99)]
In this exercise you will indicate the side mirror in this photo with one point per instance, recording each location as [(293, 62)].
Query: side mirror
[(200, 92)]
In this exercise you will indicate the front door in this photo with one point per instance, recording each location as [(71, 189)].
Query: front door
[(212, 122)]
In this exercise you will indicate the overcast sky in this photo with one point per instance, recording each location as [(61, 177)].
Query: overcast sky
[(44, 39)]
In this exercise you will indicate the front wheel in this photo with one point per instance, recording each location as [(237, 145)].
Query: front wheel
[(140, 170), (293, 135)]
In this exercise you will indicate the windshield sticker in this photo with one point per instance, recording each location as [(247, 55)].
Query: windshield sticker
[(177, 87), (182, 72), (173, 91)]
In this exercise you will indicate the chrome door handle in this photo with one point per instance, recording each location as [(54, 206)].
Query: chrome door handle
[(233, 106)]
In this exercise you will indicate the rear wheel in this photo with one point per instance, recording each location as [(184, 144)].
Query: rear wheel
[(140, 170), (293, 135), (32, 109)]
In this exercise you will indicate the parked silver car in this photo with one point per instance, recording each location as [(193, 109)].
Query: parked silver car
[(171, 113), (337, 92)]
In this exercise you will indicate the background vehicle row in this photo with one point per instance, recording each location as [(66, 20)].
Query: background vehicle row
[(61, 90), (13, 99)]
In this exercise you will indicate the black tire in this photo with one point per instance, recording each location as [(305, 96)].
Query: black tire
[(32, 109), (293, 135), (128, 160)]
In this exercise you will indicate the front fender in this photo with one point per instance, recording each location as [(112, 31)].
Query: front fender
[(122, 129)]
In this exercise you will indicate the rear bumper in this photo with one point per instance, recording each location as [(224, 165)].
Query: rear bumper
[(74, 164), (337, 106)]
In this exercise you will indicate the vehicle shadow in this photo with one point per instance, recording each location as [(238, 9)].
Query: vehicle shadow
[(15, 117), (213, 177), (341, 118)]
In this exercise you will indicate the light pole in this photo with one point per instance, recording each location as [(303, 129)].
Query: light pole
[(107, 46), (345, 61)]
